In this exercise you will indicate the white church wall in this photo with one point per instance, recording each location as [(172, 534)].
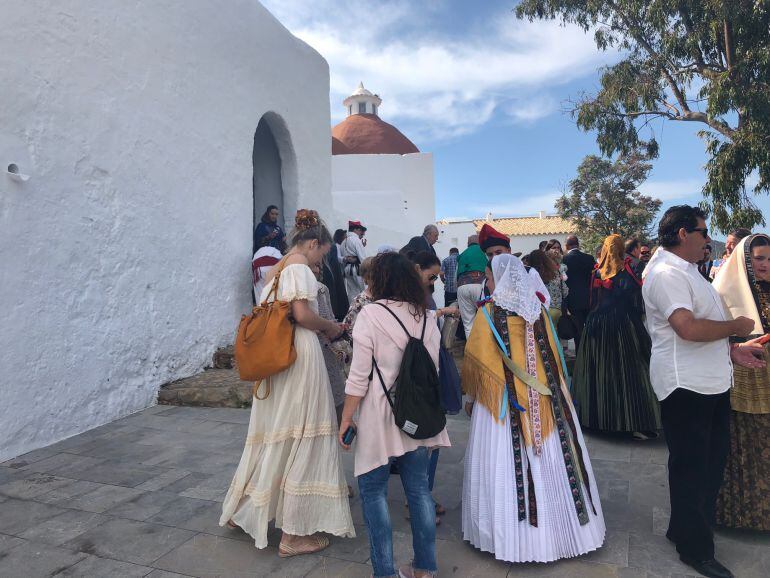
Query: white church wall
[(453, 234), (392, 195), (126, 255), (528, 243)]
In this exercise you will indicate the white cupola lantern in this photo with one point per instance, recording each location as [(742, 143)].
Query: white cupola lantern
[(362, 101)]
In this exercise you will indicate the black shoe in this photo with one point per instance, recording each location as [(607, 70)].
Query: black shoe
[(710, 568)]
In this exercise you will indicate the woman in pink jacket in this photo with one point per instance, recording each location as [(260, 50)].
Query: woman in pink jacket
[(378, 334)]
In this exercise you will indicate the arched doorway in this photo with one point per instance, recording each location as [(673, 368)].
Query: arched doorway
[(267, 182), (275, 169)]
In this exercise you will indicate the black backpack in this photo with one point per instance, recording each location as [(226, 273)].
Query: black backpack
[(417, 407)]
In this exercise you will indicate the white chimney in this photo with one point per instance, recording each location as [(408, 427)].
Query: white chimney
[(541, 214)]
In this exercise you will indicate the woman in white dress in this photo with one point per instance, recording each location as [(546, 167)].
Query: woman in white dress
[(529, 493), (291, 470)]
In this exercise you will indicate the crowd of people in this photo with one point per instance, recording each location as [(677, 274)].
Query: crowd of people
[(665, 338)]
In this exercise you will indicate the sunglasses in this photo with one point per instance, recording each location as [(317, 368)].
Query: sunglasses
[(702, 230), (432, 277)]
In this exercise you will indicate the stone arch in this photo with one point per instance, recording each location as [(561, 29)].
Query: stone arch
[(275, 169)]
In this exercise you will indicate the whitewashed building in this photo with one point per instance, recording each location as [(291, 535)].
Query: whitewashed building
[(379, 177), (526, 233), (138, 141)]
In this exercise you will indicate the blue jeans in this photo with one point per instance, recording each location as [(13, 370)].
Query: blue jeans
[(373, 487), (432, 463)]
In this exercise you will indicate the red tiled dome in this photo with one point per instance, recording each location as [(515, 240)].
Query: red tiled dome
[(368, 134)]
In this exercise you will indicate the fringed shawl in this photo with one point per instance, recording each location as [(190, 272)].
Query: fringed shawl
[(483, 376)]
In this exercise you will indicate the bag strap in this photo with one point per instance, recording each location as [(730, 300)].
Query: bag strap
[(274, 289), (255, 391), (424, 321), (396, 318), (382, 382)]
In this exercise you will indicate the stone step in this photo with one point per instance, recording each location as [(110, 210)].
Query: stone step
[(224, 358), (211, 388)]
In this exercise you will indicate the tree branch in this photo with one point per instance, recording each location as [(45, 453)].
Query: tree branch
[(720, 126), (729, 49)]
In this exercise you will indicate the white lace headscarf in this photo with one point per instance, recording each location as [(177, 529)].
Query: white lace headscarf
[(514, 288)]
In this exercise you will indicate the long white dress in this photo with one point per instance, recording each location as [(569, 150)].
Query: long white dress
[(291, 469), (490, 520)]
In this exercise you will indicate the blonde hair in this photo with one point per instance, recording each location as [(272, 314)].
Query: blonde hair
[(366, 268)]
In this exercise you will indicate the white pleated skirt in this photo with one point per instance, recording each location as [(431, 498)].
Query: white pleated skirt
[(490, 509)]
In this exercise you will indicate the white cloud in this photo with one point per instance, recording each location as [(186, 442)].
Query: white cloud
[(520, 206), (672, 190), (437, 85)]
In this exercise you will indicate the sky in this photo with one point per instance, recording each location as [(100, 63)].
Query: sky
[(486, 93)]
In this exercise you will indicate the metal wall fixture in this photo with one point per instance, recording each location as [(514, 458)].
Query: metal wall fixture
[(15, 173)]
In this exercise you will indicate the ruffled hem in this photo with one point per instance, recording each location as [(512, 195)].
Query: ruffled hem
[(301, 516), (295, 432)]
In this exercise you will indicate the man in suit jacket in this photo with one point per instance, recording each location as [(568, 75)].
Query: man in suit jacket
[(706, 264), (580, 267), (421, 243)]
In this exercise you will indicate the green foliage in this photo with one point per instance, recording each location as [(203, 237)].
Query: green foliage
[(703, 61), (604, 199)]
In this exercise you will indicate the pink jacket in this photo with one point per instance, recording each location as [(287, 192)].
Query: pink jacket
[(377, 333)]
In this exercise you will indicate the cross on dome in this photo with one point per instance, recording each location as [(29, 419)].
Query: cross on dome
[(362, 101)]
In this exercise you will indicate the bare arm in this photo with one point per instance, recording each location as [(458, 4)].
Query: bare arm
[(447, 311), (688, 327)]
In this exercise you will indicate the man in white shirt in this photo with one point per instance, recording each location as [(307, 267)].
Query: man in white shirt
[(691, 373), (353, 254)]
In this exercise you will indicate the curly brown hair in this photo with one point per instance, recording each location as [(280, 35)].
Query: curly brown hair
[(392, 276), (544, 265), (308, 226)]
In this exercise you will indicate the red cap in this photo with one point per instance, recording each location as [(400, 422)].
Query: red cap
[(490, 237), (352, 225)]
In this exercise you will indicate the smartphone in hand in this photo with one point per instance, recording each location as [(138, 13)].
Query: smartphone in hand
[(347, 437)]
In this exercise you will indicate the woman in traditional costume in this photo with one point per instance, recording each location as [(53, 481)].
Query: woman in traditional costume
[(611, 382), (744, 284), (529, 493), (291, 470), (264, 260)]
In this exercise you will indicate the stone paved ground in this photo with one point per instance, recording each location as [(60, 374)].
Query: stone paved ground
[(141, 497)]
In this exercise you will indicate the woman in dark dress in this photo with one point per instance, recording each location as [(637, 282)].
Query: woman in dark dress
[(744, 284), (611, 383)]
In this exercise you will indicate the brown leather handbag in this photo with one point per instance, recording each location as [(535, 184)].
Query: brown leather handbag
[(264, 345)]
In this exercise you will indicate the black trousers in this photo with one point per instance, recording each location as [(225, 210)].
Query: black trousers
[(580, 316), (697, 430)]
